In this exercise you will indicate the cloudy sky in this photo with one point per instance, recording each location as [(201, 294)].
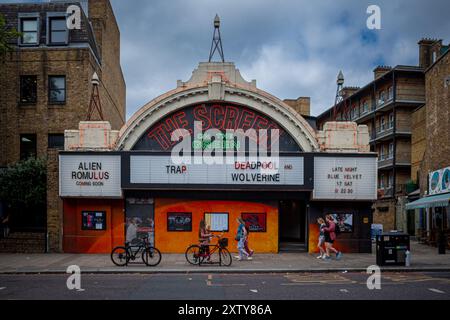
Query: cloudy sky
[(291, 47)]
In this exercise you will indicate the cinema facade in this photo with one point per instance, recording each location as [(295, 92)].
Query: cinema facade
[(109, 180)]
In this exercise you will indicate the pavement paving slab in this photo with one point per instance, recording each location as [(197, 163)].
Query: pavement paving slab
[(423, 257)]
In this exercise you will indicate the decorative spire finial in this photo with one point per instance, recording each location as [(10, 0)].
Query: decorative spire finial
[(216, 44)]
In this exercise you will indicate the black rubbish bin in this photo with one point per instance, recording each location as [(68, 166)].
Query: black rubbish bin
[(391, 249), (442, 242)]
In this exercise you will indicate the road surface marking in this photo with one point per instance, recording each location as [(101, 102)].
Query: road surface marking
[(436, 290), (343, 290), (2, 288), (254, 290)]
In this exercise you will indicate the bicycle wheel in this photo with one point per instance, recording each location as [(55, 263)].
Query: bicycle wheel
[(225, 258), (120, 256), (192, 254), (151, 256)]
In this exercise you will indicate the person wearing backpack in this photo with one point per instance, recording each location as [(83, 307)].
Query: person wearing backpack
[(330, 237)]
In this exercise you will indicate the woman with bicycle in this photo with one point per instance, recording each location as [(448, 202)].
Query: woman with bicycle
[(204, 236)]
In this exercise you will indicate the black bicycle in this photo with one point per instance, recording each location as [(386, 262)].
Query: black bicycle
[(206, 254), (121, 256)]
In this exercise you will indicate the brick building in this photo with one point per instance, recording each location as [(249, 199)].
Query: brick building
[(45, 82), (385, 105), (431, 153)]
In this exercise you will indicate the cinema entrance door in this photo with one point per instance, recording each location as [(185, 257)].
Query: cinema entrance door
[(292, 225)]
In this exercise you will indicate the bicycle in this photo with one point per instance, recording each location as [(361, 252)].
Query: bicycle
[(197, 254), (121, 256)]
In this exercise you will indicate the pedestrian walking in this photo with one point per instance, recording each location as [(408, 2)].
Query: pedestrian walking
[(330, 237), (321, 240), (246, 247), (240, 238), (4, 221)]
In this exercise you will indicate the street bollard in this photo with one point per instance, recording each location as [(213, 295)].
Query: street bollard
[(408, 258)]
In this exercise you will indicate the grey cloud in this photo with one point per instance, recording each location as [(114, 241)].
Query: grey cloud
[(292, 48)]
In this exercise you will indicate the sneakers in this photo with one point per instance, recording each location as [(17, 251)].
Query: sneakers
[(237, 257), (249, 258), (325, 257), (251, 253), (319, 257), (338, 255)]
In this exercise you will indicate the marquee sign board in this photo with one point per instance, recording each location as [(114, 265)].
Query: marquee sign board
[(346, 178), (160, 169), (90, 175), (218, 116)]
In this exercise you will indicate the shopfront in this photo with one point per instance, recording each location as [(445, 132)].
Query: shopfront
[(434, 209), (177, 162)]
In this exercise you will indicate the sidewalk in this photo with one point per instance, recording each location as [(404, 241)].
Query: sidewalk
[(423, 258)]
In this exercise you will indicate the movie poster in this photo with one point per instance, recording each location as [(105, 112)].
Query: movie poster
[(255, 222), (139, 221), (179, 221), (344, 221)]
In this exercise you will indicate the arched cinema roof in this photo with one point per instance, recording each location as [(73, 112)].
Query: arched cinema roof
[(217, 82)]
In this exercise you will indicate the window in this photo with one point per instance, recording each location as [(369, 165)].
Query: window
[(382, 124), (391, 120), (381, 181), (218, 221), (57, 32), (29, 27), (28, 146), (365, 106), (28, 89), (57, 89), (382, 98), (390, 93), (390, 180), (391, 150), (56, 141), (381, 153)]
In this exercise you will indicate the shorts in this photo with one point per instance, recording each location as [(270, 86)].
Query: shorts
[(321, 239), (328, 239)]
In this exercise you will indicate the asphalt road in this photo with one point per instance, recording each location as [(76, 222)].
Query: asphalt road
[(336, 286)]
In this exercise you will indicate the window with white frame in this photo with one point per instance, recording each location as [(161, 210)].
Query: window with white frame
[(391, 150), (382, 124), (390, 93), (29, 29), (391, 120), (365, 106), (382, 97), (381, 181), (381, 152), (390, 180), (57, 32)]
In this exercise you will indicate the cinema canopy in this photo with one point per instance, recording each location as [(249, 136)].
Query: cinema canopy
[(110, 180)]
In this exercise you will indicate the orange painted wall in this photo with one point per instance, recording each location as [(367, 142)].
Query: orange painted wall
[(76, 240), (177, 242)]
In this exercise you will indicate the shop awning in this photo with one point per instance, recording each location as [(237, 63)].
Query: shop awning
[(441, 200)]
